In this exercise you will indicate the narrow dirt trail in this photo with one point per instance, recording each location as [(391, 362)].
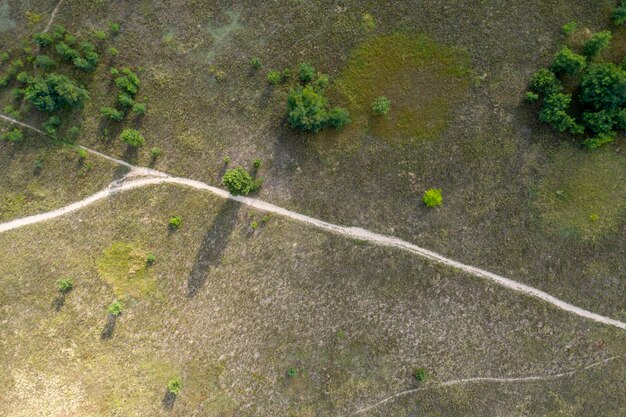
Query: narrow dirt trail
[(156, 177), (53, 15), (484, 379)]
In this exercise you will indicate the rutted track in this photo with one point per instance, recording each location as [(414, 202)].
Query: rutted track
[(157, 177)]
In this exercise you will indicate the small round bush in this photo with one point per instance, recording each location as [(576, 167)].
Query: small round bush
[(155, 152), (175, 222), (100, 35), (420, 374), (432, 197), (256, 163), (132, 138), (239, 182), (116, 308), (292, 372), (65, 285), (273, 77), (174, 386), (114, 28), (150, 259), (306, 72), (545, 82), (256, 63), (381, 105)]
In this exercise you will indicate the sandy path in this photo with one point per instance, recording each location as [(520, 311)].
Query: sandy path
[(157, 177), (52, 16)]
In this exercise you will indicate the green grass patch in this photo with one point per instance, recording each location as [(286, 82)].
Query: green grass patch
[(423, 80), (584, 193), (123, 267)]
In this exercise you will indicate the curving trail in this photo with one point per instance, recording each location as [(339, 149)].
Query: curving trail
[(156, 177), (52, 16), (484, 379)]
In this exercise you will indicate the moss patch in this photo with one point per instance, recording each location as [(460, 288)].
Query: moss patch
[(584, 193), (423, 79), (123, 266)]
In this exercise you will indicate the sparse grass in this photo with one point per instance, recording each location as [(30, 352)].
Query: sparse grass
[(123, 267), (583, 193)]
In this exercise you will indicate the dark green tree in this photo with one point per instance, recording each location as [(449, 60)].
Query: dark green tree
[(596, 43), (568, 62), (604, 86), (307, 109), (53, 92)]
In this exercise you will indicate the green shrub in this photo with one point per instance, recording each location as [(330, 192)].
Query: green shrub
[(51, 125), (420, 375), (150, 259), (100, 35), (226, 160), (38, 165), (544, 82), (155, 152), (115, 308), (114, 72), (11, 111), (569, 28), (604, 86), (568, 62), (65, 285), (598, 122), (54, 92), (70, 39), (240, 182), (273, 77), (338, 117), (256, 63), (81, 63), (256, 163), (132, 138), (45, 62), (67, 52), (620, 119), (619, 13), (432, 197), (554, 111), (306, 72), (57, 32), (18, 93), (292, 372), (531, 97), (23, 77), (4, 57), (175, 222), (307, 109), (139, 109), (367, 21), (381, 105), (13, 135), (322, 82), (128, 83), (113, 51), (287, 73), (599, 140), (82, 153), (174, 386), (112, 114), (42, 39), (596, 43), (114, 28), (125, 100)]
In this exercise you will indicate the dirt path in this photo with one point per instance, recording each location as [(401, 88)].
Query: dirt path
[(483, 379), (52, 16), (156, 177)]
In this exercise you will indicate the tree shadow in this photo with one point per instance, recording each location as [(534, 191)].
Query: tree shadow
[(213, 246), (109, 327), (168, 400), (58, 302)]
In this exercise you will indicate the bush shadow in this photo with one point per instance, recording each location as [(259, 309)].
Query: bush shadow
[(168, 400), (213, 246), (109, 327)]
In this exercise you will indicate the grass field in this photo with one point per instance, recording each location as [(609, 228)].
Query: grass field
[(229, 308)]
